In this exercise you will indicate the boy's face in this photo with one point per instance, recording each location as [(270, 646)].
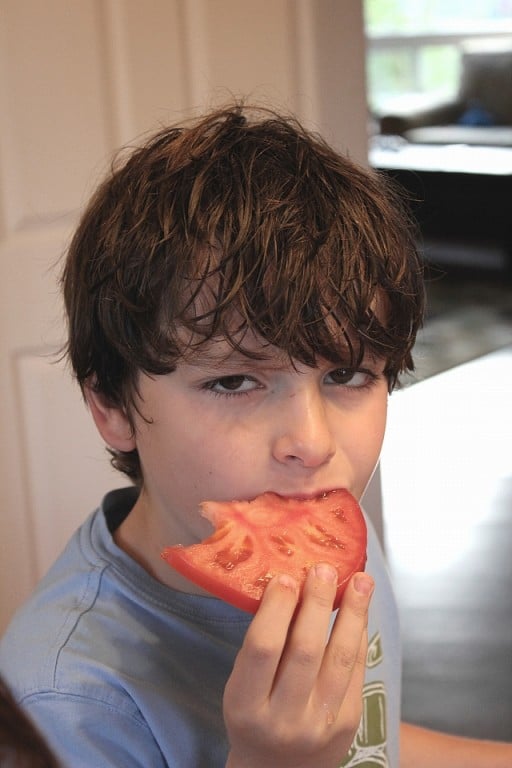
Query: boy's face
[(225, 427)]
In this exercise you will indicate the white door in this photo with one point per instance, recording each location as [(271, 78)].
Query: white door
[(54, 136), (77, 80)]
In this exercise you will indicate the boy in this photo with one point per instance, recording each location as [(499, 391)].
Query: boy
[(241, 300)]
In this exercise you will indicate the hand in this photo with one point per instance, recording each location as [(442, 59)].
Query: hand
[(294, 698)]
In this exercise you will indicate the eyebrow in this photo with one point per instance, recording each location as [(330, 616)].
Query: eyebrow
[(208, 358), (219, 354)]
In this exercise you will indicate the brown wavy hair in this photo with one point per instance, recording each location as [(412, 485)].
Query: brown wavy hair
[(240, 220)]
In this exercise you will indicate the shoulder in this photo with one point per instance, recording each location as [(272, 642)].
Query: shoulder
[(86, 731), (60, 652), (44, 624), (65, 607)]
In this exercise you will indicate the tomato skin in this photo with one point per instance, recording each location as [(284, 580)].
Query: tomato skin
[(255, 540)]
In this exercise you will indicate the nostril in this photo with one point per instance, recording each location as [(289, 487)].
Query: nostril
[(308, 454)]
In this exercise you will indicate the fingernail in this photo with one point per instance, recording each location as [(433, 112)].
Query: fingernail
[(363, 583), (326, 572), (287, 581)]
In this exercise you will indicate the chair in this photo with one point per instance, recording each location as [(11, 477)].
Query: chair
[(482, 110)]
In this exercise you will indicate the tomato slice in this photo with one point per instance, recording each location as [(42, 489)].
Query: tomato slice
[(254, 540)]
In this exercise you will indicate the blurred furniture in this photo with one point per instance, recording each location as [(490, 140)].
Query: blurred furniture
[(481, 114), (461, 196)]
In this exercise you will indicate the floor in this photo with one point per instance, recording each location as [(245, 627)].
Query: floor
[(447, 484), (469, 313)]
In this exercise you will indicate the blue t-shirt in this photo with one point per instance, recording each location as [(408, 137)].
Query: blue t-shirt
[(118, 670)]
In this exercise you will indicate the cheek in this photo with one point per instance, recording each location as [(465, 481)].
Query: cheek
[(209, 458), (368, 442), (380, 418), (226, 459), (376, 424)]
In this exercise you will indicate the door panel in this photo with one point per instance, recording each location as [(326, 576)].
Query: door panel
[(62, 452)]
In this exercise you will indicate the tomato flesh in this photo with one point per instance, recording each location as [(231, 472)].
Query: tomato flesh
[(255, 540)]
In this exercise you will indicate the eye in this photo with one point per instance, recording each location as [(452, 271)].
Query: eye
[(349, 377), (237, 384)]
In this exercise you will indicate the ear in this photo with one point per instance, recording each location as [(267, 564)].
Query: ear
[(111, 421)]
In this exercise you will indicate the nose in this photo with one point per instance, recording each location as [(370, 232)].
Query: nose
[(304, 434)]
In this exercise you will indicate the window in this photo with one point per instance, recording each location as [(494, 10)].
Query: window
[(413, 53)]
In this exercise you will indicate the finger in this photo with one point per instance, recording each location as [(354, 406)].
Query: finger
[(302, 657), (345, 656), (255, 667), (346, 712), (351, 706)]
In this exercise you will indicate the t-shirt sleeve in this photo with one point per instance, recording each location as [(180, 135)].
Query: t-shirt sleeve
[(83, 733)]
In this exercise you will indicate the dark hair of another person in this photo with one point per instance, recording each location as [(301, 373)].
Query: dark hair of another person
[(21, 745)]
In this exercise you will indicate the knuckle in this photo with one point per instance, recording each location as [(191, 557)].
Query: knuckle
[(241, 722), (319, 592), (285, 734), (241, 717), (342, 657), (305, 655), (360, 611), (324, 599), (356, 606), (300, 737), (262, 649)]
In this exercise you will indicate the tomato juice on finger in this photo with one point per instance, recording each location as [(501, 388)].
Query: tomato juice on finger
[(270, 534)]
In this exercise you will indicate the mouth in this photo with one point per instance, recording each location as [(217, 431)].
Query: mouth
[(310, 496)]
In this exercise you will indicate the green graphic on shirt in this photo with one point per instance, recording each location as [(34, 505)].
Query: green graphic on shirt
[(369, 747), (374, 655)]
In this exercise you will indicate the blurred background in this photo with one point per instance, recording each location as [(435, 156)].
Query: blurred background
[(415, 49), (439, 89)]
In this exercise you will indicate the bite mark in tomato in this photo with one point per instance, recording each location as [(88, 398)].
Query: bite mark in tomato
[(255, 540)]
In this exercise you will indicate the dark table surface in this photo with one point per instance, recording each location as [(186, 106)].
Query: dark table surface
[(456, 193)]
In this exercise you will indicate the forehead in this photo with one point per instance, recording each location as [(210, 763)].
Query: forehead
[(248, 310), (219, 353), (237, 345), (224, 311)]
